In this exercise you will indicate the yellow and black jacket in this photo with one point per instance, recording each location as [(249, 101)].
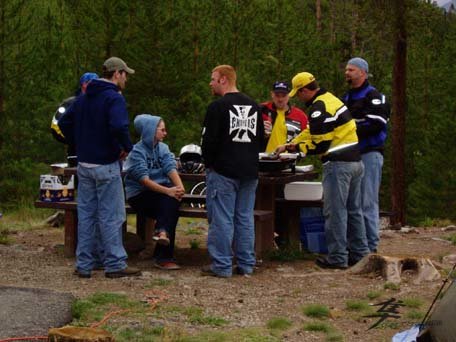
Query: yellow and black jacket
[(331, 132)]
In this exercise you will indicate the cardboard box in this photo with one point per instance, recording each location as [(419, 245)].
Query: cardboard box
[(55, 189)]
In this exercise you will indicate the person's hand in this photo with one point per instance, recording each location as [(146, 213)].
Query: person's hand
[(176, 192), (280, 149), (291, 147), (123, 155), (267, 128)]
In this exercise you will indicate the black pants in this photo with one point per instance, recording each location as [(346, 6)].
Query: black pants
[(163, 209)]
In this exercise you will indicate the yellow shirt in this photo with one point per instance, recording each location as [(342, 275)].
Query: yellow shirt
[(279, 132)]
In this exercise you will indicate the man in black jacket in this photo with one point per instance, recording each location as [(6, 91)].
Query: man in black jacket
[(231, 140)]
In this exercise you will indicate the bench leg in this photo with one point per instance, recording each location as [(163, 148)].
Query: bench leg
[(264, 237), (71, 236), (145, 228)]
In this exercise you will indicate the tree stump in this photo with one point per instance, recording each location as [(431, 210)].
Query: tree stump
[(391, 268), (79, 334)]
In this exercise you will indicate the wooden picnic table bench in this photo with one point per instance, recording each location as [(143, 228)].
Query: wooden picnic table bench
[(71, 220)]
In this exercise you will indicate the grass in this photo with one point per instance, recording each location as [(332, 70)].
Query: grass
[(392, 286), (279, 323), (412, 302), (434, 222), (158, 282), (5, 239), (415, 315), (193, 231), (357, 305), (95, 307), (374, 294), (451, 238), (194, 315), (290, 254), (318, 326), (194, 244), (316, 311)]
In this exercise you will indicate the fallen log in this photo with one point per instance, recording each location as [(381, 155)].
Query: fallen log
[(392, 268)]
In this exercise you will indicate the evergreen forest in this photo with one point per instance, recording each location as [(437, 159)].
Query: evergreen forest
[(46, 45)]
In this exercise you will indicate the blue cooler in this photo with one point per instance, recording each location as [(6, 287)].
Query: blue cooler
[(312, 230)]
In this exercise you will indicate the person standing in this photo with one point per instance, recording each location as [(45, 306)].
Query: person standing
[(371, 113), (153, 186), (282, 122), (97, 123), (231, 140), (332, 135)]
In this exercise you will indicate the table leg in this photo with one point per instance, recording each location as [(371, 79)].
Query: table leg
[(71, 233), (264, 231)]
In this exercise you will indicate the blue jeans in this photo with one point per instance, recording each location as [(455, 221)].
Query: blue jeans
[(101, 203), (344, 223), (230, 203), (370, 186), (165, 210)]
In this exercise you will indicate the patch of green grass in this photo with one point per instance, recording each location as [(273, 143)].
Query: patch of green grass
[(388, 325), (334, 336), (357, 305), (290, 254), (279, 323), (318, 326), (241, 335), (158, 282), (144, 334), (392, 286), (415, 315), (194, 244), (196, 316), (316, 311), (5, 238), (451, 238), (373, 294), (412, 302), (93, 308), (193, 231), (435, 222)]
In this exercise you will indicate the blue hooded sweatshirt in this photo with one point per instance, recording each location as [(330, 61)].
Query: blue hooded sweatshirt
[(149, 158), (97, 122)]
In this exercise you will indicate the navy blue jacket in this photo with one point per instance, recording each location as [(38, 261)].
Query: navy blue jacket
[(97, 123), (371, 112)]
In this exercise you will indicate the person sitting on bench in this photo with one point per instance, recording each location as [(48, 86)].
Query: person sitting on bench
[(153, 186)]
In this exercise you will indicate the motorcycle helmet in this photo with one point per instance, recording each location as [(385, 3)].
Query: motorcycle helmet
[(191, 159), (61, 110)]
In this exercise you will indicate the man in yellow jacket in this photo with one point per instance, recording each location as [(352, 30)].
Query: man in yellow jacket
[(332, 135)]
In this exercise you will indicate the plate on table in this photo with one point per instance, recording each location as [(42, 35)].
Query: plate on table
[(268, 156), (286, 155)]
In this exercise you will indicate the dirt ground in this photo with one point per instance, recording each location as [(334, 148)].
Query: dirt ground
[(277, 289)]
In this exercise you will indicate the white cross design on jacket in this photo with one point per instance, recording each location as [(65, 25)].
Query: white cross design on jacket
[(242, 122)]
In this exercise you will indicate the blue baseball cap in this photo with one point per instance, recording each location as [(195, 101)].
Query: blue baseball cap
[(88, 76)]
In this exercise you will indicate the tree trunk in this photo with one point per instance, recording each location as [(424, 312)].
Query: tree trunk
[(318, 14), (398, 117)]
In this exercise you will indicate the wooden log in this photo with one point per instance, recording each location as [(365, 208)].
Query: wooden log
[(392, 268), (79, 334)]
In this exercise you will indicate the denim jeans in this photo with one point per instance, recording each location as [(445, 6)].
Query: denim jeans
[(100, 202), (370, 186), (165, 210), (344, 224), (230, 203)]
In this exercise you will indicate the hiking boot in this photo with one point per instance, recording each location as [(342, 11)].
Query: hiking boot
[(240, 271), (324, 263), (207, 271), (82, 275), (127, 272)]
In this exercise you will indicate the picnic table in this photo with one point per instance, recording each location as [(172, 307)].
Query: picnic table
[(268, 199)]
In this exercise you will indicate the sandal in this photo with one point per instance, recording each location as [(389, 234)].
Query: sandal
[(161, 238), (167, 265)]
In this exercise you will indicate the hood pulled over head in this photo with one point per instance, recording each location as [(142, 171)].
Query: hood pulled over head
[(146, 126)]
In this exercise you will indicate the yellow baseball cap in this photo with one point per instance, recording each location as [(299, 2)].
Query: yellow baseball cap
[(299, 81)]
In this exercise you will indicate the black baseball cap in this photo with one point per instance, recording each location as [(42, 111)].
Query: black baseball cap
[(281, 87)]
